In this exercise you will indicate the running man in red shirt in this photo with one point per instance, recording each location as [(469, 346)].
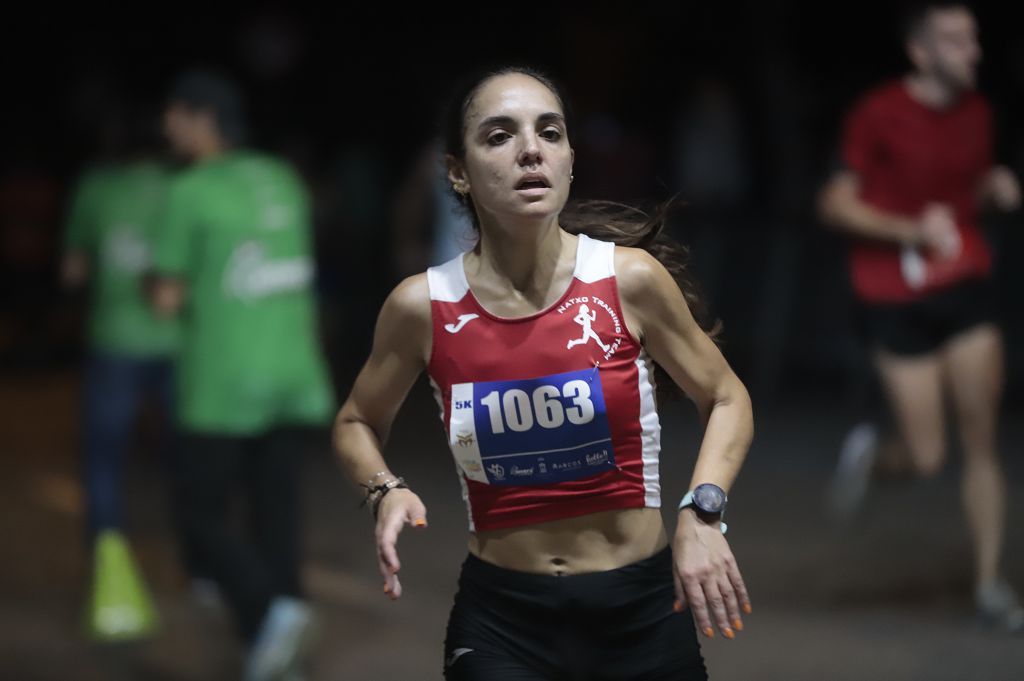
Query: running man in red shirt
[(917, 156)]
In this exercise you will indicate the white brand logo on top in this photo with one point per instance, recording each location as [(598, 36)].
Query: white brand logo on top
[(463, 320), (586, 317)]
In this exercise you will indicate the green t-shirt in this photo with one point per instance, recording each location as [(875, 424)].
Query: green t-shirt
[(237, 232), (115, 214)]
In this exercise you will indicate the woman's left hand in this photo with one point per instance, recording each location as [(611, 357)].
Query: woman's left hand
[(707, 578)]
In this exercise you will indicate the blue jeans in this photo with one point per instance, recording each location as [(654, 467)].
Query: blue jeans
[(115, 387)]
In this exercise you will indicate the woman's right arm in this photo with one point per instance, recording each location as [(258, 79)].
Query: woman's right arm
[(401, 350)]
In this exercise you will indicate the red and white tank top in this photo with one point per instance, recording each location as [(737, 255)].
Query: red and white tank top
[(548, 416)]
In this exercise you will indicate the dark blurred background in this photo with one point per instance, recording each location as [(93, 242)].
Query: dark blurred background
[(734, 106)]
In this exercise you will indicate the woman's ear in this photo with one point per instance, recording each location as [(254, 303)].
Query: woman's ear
[(456, 174)]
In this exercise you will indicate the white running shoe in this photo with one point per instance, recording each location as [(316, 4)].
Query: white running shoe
[(998, 607), (283, 641), (850, 480)]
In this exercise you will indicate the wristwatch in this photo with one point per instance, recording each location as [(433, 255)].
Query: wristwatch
[(709, 501)]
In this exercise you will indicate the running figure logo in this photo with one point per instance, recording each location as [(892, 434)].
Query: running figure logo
[(586, 318)]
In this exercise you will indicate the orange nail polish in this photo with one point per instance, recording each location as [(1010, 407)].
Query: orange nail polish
[(677, 606), (709, 632), (737, 624), (747, 609), (728, 633), (421, 522), (386, 589)]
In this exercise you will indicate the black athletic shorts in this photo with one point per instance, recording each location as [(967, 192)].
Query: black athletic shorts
[(925, 325), (604, 626)]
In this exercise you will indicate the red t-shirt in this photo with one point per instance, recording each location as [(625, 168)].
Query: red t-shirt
[(906, 156)]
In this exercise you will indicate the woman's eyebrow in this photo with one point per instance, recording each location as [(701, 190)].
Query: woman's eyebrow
[(551, 116), (509, 122), (503, 121)]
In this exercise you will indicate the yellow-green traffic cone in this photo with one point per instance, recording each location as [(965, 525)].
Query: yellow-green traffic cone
[(120, 607)]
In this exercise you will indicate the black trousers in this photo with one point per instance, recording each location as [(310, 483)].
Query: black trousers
[(604, 626), (253, 555)]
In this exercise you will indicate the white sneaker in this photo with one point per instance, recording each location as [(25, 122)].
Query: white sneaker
[(282, 642), (998, 607), (850, 480)]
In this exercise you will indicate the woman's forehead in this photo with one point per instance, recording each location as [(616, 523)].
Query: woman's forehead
[(510, 94)]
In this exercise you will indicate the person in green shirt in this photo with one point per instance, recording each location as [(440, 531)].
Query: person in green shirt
[(234, 263), (112, 223)]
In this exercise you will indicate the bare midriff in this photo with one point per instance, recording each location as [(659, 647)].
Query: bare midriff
[(591, 543)]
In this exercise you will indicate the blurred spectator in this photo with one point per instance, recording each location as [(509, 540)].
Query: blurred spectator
[(235, 259), (112, 224)]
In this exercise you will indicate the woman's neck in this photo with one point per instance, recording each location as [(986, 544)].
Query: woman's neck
[(526, 256)]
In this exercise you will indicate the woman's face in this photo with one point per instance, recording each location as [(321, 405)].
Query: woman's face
[(518, 159)]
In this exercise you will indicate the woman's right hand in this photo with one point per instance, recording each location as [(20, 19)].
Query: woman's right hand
[(398, 508)]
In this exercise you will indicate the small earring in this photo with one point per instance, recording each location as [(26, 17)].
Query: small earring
[(571, 176), (459, 188)]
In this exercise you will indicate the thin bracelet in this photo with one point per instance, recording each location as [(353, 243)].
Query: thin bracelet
[(375, 503), (376, 493)]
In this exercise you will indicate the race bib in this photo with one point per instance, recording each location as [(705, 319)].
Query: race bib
[(535, 431)]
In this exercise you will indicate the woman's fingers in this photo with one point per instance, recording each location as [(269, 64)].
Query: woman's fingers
[(716, 596), (416, 515), (698, 604), (732, 605), (680, 602), (388, 528), (387, 553), (736, 579), (716, 606)]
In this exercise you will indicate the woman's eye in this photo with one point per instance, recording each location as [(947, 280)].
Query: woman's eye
[(497, 138), (552, 134)]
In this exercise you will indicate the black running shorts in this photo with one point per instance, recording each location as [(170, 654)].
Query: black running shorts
[(605, 626)]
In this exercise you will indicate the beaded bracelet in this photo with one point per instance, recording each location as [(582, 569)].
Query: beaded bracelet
[(376, 493)]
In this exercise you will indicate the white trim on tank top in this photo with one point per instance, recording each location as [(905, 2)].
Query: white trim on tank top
[(595, 260), (650, 430)]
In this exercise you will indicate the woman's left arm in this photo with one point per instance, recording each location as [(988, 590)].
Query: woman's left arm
[(707, 576)]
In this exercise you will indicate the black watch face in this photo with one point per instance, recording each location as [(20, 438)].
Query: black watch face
[(709, 498)]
